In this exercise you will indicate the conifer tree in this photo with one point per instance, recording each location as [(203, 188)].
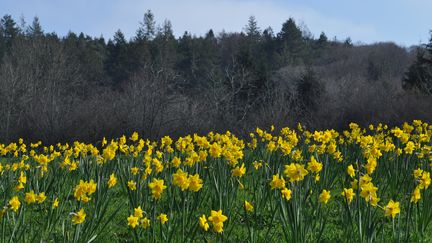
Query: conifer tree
[(117, 65), (147, 29), (252, 29), (35, 29), (419, 74), (10, 30), (290, 43)]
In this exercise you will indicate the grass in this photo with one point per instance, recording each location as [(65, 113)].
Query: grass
[(382, 158)]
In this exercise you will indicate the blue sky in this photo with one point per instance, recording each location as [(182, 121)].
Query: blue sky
[(406, 22)]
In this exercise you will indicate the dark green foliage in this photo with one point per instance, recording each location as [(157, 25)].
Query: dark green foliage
[(322, 44), (117, 65), (252, 29), (35, 29), (90, 54), (419, 75), (348, 42), (309, 90), (10, 30), (147, 28), (290, 43)]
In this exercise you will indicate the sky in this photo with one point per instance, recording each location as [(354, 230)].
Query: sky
[(405, 22)]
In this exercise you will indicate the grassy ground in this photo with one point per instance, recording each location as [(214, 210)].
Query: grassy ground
[(283, 176)]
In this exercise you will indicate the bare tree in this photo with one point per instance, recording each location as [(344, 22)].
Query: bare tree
[(39, 85)]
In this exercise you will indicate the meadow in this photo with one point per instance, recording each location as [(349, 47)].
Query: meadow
[(364, 184)]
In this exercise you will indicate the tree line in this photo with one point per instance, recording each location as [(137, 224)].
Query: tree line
[(62, 88)]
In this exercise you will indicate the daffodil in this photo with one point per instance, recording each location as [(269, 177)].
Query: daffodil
[(295, 172), (217, 219), (277, 182), (392, 209), (180, 179), (416, 195), (138, 212), (348, 194), (239, 171), (195, 182), (112, 181), (163, 218), (314, 165), (40, 198), (286, 193), (248, 206), (351, 171), (30, 197), (132, 185), (132, 221), (55, 203), (145, 223), (84, 190), (15, 203), (203, 223), (79, 217), (324, 197), (157, 187)]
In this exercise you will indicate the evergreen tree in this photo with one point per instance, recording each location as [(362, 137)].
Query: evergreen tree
[(117, 64), (269, 47), (166, 31), (2, 43), (322, 41), (35, 29), (210, 56), (290, 33), (165, 45), (348, 42), (419, 74), (90, 54), (210, 35), (252, 29), (119, 38), (268, 33), (320, 46), (309, 90), (22, 25), (290, 42), (147, 29), (187, 59), (10, 30), (142, 46)]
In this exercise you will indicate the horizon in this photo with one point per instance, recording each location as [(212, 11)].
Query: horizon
[(99, 19)]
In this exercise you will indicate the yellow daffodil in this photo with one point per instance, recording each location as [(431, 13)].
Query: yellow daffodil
[(112, 181), (239, 171), (163, 218), (217, 219), (324, 197), (203, 223), (157, 187), (132, 221), (295, 172), (15, 203), (392, 209), (277, 182), (132, 185), (79, 217), (248, 206)]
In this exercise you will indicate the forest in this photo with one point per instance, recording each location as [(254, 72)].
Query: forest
[(78, 87)]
